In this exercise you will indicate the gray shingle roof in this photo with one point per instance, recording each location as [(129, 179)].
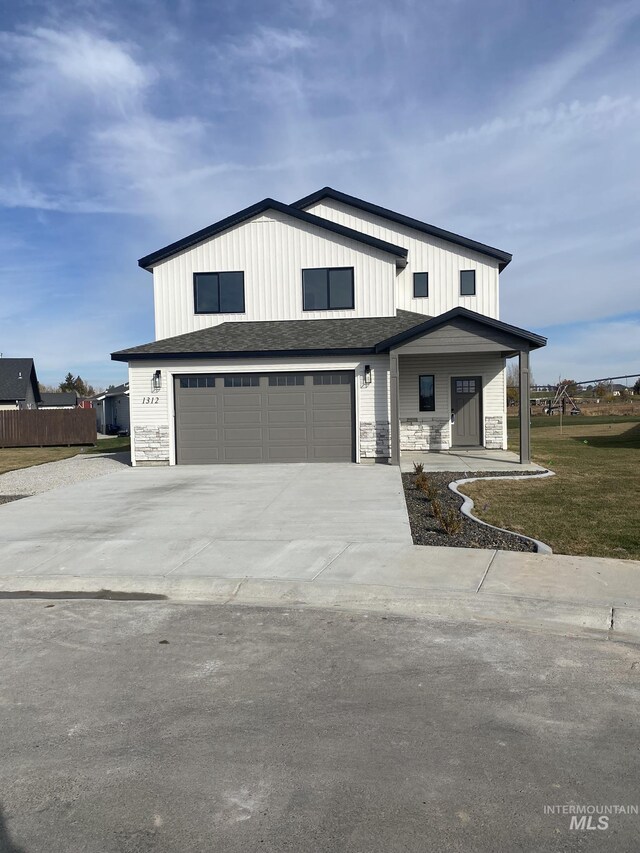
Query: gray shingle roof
[(115, 391), (359, 334), (15, 378), (59, 398)]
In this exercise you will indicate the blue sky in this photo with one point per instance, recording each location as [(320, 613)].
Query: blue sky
[(126, 125)]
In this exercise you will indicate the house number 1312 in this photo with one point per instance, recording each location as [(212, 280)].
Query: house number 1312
[(150, 400)]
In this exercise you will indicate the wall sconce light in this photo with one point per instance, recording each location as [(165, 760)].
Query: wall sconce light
[(367, 374), (157, 380)]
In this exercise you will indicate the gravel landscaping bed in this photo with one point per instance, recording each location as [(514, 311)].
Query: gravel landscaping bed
[(427, 530), (24, 482)]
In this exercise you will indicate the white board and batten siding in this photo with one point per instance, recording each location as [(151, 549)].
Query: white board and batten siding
[(272, 250), (156, 409), (442, 260)]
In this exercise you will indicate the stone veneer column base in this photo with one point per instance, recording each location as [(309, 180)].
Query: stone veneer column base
[(375, 439), (151, 445), (416, 434), (493, 435)]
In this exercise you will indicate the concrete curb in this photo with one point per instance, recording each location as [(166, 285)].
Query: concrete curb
[(450, 605), (467, 505)]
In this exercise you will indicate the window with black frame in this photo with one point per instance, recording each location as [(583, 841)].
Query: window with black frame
[(420, 285), (218, 292), (327, 289), (467, 282)]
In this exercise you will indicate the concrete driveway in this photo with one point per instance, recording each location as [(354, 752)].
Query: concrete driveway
[(289, 521)]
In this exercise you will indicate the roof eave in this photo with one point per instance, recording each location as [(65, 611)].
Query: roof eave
[(241, 354)]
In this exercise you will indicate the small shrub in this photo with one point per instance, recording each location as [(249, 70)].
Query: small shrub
[(421, 483), (418, 467), (450, 521), (431, 491)]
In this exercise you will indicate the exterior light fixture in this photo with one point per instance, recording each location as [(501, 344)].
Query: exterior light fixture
[(367, 374), (157, 380)]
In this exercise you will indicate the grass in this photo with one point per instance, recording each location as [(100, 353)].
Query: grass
[(111, 445), (13, 458), (591, 506), (546, 422)]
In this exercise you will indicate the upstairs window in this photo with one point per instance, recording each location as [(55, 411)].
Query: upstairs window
[(327, 289), (467, 282), (420, 285), (218, 292)]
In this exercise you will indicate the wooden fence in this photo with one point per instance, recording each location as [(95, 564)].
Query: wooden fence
[(40, 428)]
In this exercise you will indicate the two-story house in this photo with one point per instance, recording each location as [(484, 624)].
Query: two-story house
[(327, 330)]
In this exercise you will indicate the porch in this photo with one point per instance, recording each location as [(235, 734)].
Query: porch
[(448, 393), (478, 459)]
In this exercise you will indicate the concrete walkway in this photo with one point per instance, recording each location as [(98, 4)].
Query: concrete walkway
[(325, 535), (479, 459)]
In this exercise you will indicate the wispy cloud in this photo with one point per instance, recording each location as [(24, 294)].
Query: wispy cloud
[(605, 112), (268, 45), (551, 78), (53, 68)]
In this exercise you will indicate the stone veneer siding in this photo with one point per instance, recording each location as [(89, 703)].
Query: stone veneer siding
[(151, 445), (375, 439), (493, 437), (417, 434)]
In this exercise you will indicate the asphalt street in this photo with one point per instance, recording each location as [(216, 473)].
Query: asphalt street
[(156, 726)]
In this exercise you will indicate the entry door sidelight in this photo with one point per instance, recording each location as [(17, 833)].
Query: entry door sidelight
[(466, 411)]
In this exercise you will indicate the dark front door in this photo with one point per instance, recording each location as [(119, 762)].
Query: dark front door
[(466, 411)]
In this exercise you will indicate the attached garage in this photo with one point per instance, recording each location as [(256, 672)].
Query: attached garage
[(271, 417)]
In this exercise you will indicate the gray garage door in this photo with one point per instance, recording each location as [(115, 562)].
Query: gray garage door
[(277, 417)]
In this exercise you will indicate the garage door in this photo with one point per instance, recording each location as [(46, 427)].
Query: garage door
[(276, 417)]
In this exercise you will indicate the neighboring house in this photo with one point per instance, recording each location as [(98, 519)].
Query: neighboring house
[(58, 400), (617, 389), (18, 384), (112, 410), (327, 330)]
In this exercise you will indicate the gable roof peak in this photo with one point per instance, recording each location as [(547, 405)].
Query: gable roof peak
[(253, 210), (500, 255)]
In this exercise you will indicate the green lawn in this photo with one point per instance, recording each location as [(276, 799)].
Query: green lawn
[(544, 421), (591, 506), (12, 458), (111, 445)]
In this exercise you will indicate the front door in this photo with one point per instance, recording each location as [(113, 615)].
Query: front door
[(466, 411)]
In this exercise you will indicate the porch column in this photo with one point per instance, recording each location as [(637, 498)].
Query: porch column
[(524, 388), (394, 387)]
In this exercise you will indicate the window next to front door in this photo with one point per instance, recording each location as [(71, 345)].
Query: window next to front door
[(426, 394), (327, 289), (218, 292)]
